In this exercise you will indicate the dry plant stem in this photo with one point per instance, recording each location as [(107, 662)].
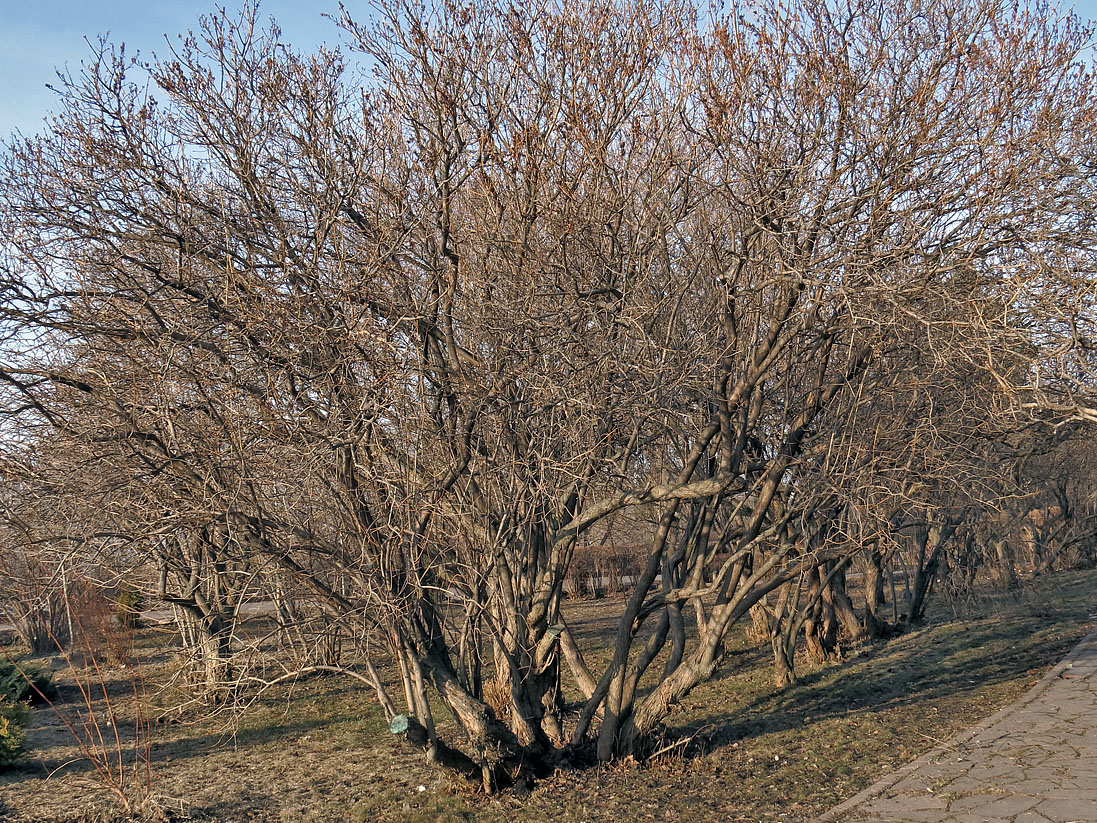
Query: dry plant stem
[(90, 740)]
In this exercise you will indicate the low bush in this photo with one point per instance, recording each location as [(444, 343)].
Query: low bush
[(105, 622), (13, 721), (22, 682), (604, 569)]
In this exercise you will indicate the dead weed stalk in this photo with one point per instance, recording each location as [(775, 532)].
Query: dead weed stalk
[(123, 770)]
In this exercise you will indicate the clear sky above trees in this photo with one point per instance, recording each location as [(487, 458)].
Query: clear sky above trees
[(38, 38)]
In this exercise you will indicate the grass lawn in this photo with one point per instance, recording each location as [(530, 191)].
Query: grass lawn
[(319, 750)]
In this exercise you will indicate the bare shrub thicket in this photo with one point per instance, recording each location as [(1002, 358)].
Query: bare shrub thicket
[(386, 346)]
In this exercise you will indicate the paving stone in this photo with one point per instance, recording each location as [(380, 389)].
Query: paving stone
[(907, 816), (1034, 762), (1009, 806), (1032, 816), (970, 802), (1078, 793), (1032, 786), (966, 784), (1070, 811), (974, 817), (924, 803), (993, 771)]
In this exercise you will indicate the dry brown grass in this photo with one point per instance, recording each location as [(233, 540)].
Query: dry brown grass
[(318, 750)]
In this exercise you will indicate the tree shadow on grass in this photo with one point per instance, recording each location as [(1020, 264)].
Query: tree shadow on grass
[(110, 743), (244, 804), (174, 750), (888, 676)]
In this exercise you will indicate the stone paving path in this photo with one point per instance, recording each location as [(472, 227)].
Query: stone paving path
[(1035, 761)]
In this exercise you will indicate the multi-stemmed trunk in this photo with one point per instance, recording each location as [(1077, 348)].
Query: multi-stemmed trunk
[(206, 639)]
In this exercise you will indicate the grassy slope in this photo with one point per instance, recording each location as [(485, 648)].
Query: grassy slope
[(319, 752)]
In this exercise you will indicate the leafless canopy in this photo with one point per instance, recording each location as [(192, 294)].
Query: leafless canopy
[(386, 334)]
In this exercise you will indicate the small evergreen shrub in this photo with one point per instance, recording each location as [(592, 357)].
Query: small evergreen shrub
[(24, 682), (129, 605), (13, 721)]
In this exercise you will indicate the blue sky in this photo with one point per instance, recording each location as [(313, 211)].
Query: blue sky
[(39, 36)]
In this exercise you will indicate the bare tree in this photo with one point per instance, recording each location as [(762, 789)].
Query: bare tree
[(404, 339)]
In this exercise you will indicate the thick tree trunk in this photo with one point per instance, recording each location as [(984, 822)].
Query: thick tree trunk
[(215, 664), (821, 625), (929, 558), (784, 657), (923, 582), (784, 634), (207, 641), (875, 624), (498, 753), (1005, 575), (677, 630), (836, 595), (758, 631), (931, 542)]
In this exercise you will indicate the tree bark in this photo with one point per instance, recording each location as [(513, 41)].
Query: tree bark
[(875, 624)]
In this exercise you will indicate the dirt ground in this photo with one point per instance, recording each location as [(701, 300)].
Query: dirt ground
[(738, 750)]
